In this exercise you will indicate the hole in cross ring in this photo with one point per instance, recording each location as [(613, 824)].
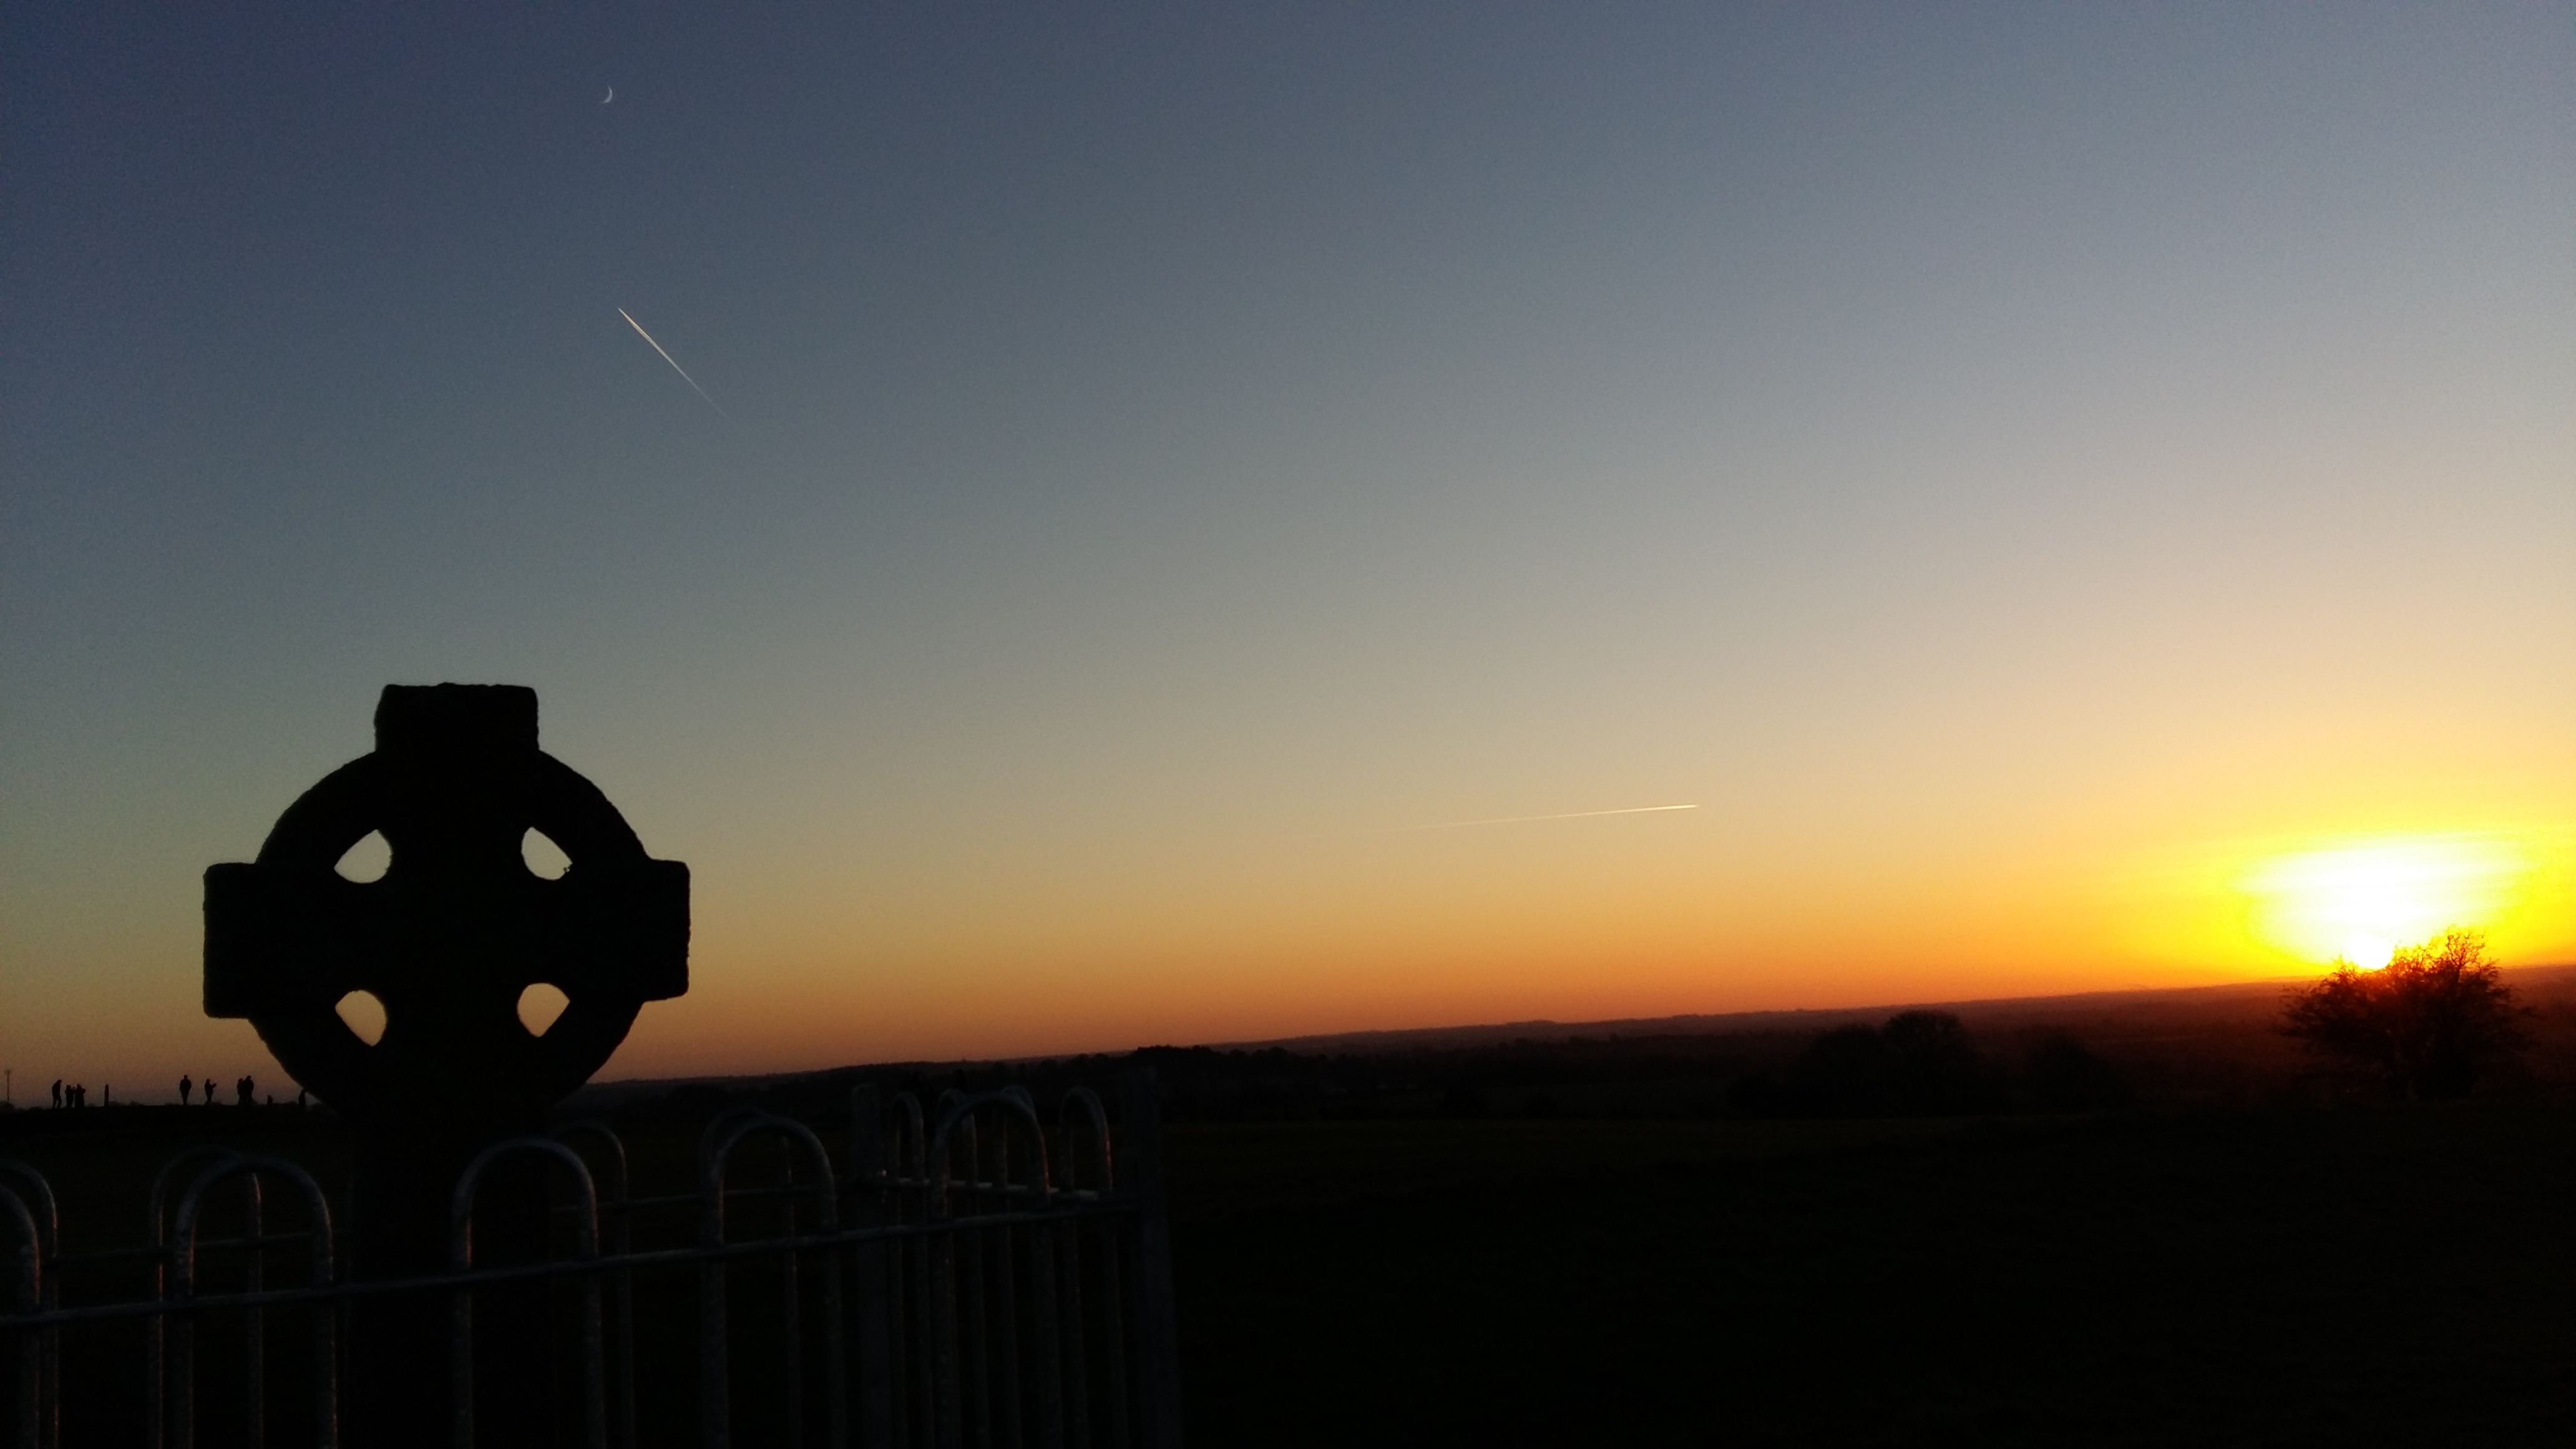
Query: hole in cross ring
[(366, 860), (545, 859), (540, 1005), (364, 1014)]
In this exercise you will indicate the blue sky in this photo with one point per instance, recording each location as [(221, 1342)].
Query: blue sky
[(1967, 450)]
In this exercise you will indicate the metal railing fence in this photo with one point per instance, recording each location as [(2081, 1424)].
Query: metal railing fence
[(971, 1276)]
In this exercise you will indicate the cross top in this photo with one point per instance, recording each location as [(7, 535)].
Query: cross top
[(456, 928)]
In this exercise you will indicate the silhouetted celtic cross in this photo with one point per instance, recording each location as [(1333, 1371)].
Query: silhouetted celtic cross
[(458, 926)]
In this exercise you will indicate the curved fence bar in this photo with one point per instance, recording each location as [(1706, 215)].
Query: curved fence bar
[(910, 1133), (173, 1346), (616, 1237), (955, 1387), (991, 1377), (27, 1295), (156, 1330), (319, 1273), (715, 1404), (1082, 1118), (720, 1127), (1046, 1335), (36, 1196), (979, 1270), (460, 1260)]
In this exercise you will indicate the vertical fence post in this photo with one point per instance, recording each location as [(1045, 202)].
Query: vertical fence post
[(254, 1320), (715, 1407), (321, 1271), (460, 1329), (974, 1349), (181, 1397), (1157, 1327), (791, 1362), (1081, 1118), (867, 1210), (1006, 1298), (1049, 1347), (947, 1403), (916, 1413), (616, 1236)]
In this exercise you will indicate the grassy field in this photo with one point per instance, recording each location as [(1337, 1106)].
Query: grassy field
[(2251, 1277), (2358, 1277)]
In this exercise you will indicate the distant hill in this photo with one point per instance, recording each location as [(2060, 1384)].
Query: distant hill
[(2139, 1006), (2189, 1001), (2177, 1044)]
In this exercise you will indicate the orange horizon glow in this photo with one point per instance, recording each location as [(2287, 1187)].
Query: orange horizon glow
[(1644, 917), (2260, 909)]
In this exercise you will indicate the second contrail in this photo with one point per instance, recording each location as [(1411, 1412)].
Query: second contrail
[(675, 366)]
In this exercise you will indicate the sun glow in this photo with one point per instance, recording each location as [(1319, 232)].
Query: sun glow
[(2360, 901)]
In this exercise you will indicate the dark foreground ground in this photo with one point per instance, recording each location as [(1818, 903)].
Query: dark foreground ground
[(2317, 1277), (2245, 1276)]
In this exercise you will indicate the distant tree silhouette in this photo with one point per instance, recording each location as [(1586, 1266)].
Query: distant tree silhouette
[(2427, 1025), (1466, 1100), (1937, 1070), (1843, 1073), (1920, 1064), (2062, 1074)]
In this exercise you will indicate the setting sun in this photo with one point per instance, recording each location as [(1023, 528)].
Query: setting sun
[(2359, 901)]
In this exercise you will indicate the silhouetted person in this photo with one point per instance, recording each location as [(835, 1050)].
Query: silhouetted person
[(58, 1091), (241, 1092), (186, 1086), (107, 1094), (299, 1099), (210, 1089)]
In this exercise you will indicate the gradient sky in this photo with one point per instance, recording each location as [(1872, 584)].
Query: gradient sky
[(2047, 481)]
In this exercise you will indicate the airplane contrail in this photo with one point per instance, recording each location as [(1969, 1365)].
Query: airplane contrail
[(1525, 819), (675, 366)]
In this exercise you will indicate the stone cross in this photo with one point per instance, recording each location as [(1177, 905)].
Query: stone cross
[(457, 927)]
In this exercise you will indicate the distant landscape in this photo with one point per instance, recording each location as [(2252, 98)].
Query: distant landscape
[(2188, 1047), (2133, 1217), (853, 686)]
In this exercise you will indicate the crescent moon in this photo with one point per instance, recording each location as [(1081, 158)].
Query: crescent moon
[(612, 95)]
